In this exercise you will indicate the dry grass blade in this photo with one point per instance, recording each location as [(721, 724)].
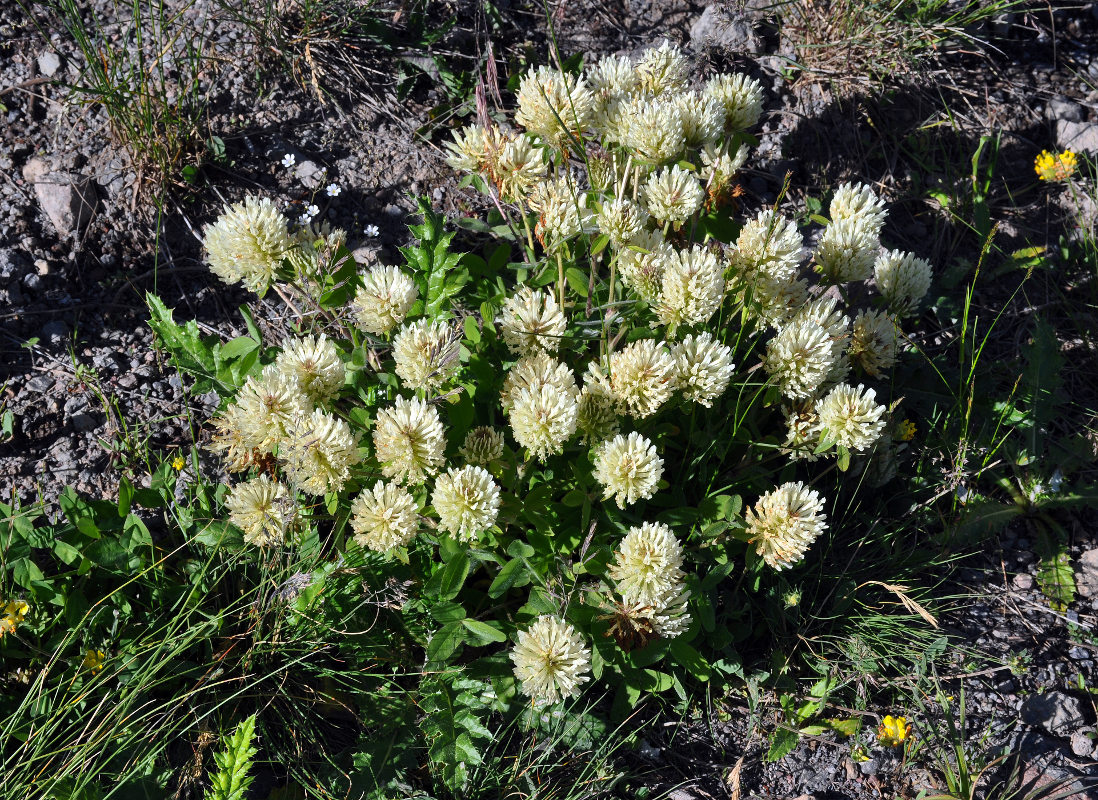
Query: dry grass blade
[(908, 603)]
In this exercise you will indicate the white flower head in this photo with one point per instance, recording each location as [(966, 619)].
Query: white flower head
[(851, 416), (800, 357), (784, 523), (426, 353), (903, 280), (663, 70), (532, 322), (385, 517), (597, 417), (517, 168), (482, 446), (775, 302), (802, 433), (466, 501), (770, 245), (647, 563), (263, 509), (612, 76), (319, 452), (247, 243), (692, 287), (642, 261), (858, 201), (621, 220), (333, 190), (384, 299), (551, 660), (543, 418), (703, 368), (409, 440), (741, 98), (673, 195), (652, 129), (628, 468), (873, 341), (721, 166), (847, 250), (562, 211), (289, 160), (641, 377), (702, 118), (314, 364), (535, 371), (472, 149), (554, 105), (268, 407)]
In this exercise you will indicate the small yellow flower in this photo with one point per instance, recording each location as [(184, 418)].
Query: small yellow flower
[(15, 611), (893, 731), (906, 431), (1058, 167), (93, 660), (178, 463)]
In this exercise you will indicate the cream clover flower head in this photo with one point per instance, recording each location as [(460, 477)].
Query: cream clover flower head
[(613, 118), (551, 660), (741, 98), (247, 243), (384, 299), (851, 417), (669, 615), (770, 245), (903, 280), (314, 364), (641, 377), (314, 249), (543, 418), (647, 563), (548, 99), (263, 509), (673, 195), (466, 501), (482, 446), (612, 76), (652, 129), (800, 357), (628, 467), (532, 321), (384, 517), (858, 201), (597, 418), (825, 311), (518, 168), (721, 166), (268, 407), (562, 211), (621, 220), (692, 287), (703, 368), (663, 70), (426, 353), (642, 262), (775, 302), (409, 440), (802, 433), (702, 118), (784, 523), (535, 371), (233, 439), (319, 451), (847, 250), (472, 149), (873, 341)]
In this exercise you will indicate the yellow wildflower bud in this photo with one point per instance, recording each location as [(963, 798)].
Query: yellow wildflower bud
[(905, 432), (93, 660), (178, 463), (893, 731), (1055, 167)]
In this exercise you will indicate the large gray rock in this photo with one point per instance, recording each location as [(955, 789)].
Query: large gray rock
[(717, 27), (68, 200), (1060, 107), (1058, 713), (1077, 136)]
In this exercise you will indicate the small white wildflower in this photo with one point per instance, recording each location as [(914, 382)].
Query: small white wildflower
[(466, 501), (673, 195), (371, 231), (628, 467), (312, 210), (647, 563), (784, 523), (551, 660), (304, 219), (532, 321), (385, 517), (851, 417), (409, 440), (289, 160), (703, 368), (903, 280), (333, 190)]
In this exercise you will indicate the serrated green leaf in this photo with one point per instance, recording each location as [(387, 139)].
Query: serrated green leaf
[(782, 743), (234, 763), (1054, 574)]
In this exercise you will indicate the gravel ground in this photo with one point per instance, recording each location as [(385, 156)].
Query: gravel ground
[(90, 399)]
